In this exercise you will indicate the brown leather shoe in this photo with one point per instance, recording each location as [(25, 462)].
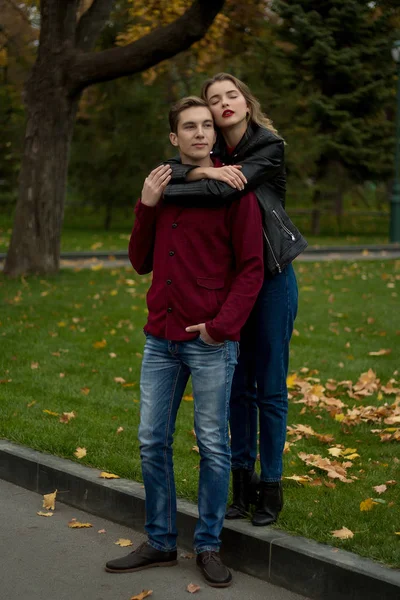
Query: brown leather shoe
[(215, 572), (144, 557)]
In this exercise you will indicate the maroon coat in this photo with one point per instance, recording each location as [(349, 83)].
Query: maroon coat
[(207, 266)]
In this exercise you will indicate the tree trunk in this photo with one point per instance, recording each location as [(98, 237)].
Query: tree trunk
[(35, 241), (63, 69)]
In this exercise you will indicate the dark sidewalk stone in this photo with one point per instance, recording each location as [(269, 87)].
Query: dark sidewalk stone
[(303, 566)]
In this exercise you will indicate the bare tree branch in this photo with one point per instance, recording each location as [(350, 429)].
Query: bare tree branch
[(160, 44), (91, 23)]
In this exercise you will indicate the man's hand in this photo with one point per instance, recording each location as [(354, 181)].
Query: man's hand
[(155, 184), (230, 174), (201, 328)]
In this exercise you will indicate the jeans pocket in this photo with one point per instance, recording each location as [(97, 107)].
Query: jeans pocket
[(217, 345)]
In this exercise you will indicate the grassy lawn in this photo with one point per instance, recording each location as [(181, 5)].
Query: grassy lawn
[(74, 343)]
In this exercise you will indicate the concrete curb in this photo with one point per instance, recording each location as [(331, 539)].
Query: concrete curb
[(300, 565)]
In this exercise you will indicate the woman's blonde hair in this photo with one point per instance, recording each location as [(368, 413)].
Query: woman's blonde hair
[(256, 114)]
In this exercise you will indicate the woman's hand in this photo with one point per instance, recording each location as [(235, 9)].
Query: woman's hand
[(155, 184), (230, 174)]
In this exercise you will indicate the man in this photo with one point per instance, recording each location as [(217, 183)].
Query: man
[(207, 271)]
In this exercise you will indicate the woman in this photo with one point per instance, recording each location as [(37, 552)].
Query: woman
[(253, 156)]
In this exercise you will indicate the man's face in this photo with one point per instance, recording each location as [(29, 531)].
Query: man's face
[(195, 137)]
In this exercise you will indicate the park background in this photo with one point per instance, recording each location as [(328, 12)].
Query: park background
[(71, 342)]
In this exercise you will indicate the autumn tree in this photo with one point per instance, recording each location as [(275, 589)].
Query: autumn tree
[(66, 64)]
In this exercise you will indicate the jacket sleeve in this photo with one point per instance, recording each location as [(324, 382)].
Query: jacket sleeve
[(179, 170), (259, 167), (247, 242), (141, 243)]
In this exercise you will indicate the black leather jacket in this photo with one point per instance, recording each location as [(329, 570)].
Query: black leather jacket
[(261, 154)]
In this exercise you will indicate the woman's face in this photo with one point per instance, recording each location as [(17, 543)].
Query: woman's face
[(227, 104)]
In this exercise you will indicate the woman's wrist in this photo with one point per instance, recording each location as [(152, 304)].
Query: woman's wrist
[(198, 173)]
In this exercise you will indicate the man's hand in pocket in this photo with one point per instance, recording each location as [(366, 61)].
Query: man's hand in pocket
[(201, 328)]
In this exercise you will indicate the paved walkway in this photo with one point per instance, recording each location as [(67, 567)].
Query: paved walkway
[(43, 559)]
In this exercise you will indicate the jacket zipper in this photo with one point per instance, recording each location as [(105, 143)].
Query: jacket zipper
[(284, 226), (272, 252)]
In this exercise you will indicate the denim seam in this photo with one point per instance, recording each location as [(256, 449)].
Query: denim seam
[(165, 451)]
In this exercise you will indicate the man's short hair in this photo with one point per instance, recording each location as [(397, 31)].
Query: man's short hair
[(180, 106)]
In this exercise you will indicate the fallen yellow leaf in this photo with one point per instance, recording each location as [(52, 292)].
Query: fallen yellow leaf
[(85, 390), (101, 344), (67, 416), (80, 452), (193, 588), (49, 501), (342, 534), (31, 404), (300, 478), (188, 398), (106, 475), (74, 524), (143, 594), (381, 352), (123, 542), (367, 504), (50, 412), (44, 514)]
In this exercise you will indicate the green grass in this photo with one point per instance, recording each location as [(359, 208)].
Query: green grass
[(346, 311)]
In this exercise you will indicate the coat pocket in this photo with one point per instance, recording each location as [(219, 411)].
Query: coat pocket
[(212, 296)]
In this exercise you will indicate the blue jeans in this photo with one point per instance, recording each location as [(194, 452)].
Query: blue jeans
[(166, 368), (259, 384)]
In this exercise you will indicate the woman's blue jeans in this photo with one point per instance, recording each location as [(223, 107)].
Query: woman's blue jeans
[(259, 384), (166, 368)]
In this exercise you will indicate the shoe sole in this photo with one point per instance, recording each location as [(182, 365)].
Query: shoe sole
[(172, 563), (212, 584)]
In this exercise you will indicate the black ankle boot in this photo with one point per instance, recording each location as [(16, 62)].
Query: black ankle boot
[(245, 492), (270, 504)]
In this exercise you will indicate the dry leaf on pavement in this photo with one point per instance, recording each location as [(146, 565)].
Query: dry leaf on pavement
[(101, 531), (49, 501), (193, 588), (80, 452), (342, 534), (106, 475), (74, 524), (143, 594), (44, 514), (123, 542)]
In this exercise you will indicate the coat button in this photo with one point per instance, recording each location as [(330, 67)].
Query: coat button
[(169, 281), (169, 309), (171, 252), (174, 225)]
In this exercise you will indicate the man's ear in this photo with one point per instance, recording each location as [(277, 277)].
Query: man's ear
[(173, 138)]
